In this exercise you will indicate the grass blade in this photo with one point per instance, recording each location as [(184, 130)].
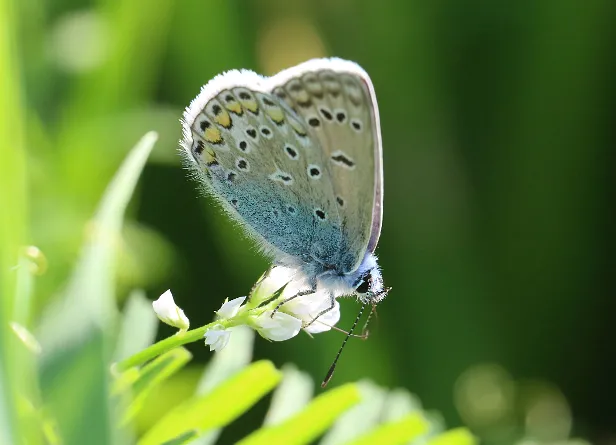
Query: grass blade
[(217, 408), (76, 331), (311, 422), (291, 396), (399, 432), (139, 325)]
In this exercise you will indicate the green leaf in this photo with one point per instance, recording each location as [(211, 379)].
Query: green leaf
[(311, 422), (152, 375), (76, 331), (291, 396), (456, 436), (400, 402), (217, 408), (234, 357), (360, 419), (14, 202), (187, 437), (399, 432), (138, 328)]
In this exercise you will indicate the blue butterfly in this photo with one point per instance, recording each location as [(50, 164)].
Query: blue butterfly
[(296, 160)]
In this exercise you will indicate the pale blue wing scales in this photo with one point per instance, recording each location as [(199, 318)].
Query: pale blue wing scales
[(255, 156), (337, 102)]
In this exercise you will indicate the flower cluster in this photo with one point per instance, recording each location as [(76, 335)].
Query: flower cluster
[(266, 310)]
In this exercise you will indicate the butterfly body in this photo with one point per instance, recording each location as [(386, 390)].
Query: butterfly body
[(296, 160)]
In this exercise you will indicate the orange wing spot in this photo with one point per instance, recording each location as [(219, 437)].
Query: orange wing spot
[(234, 107), (213, 136), (301, 96), (250, 105), (313, 85), (297, 127), (276, 114), (223, 119), (209, 156)]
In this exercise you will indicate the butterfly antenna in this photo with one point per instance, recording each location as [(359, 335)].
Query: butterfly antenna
[(332, 368), (364, 331)]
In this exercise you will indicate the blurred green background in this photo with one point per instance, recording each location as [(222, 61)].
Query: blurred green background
[(498, 130)]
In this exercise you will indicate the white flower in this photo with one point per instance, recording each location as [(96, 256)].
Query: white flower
[(217, 337), (274, 280), (309, 306), (305, 307), (278, 327), (168, 312), (229, 309)]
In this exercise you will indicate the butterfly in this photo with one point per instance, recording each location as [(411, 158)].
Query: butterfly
[(296, 160)]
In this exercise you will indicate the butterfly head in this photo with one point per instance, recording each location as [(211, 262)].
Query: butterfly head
[(369, 286)]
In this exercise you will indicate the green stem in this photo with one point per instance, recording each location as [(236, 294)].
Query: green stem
[(179, 339)]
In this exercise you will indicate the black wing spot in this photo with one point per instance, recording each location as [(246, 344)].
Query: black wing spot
[(282, 177), (326, 114), (252, 133), (314, 171), (243, 145), (229, 98), (234, 202), (340, 158), (231, 177), (204, 125), (340, 116), (291, 209), (216, 109), (266, 131), (242, 164), (244, 95), (340, 201), (200, 146), (356, 124), (314, 122), (320, 214), (291, 151), (266, 101)]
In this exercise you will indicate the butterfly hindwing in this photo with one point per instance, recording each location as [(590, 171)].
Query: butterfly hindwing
[(258, 158), (335, 98)]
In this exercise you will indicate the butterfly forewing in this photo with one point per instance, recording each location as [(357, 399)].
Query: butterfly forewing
[(256, 155), (335, 100)]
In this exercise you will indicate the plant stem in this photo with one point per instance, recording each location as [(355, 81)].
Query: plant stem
[(179, 339)]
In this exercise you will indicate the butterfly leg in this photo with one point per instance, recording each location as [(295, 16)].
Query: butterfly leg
[(299, 294), (332, 301)]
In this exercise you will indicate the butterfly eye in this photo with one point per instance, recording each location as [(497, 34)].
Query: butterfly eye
[(364, 286)]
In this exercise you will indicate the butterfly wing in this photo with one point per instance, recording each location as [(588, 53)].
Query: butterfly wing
[(336, 100), (256, 157)]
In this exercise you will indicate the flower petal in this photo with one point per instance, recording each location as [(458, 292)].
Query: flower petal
[(229, 309), (273, 281), (278, 327), (217, 337), (168, 312), (325, 321), (309, 306)]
